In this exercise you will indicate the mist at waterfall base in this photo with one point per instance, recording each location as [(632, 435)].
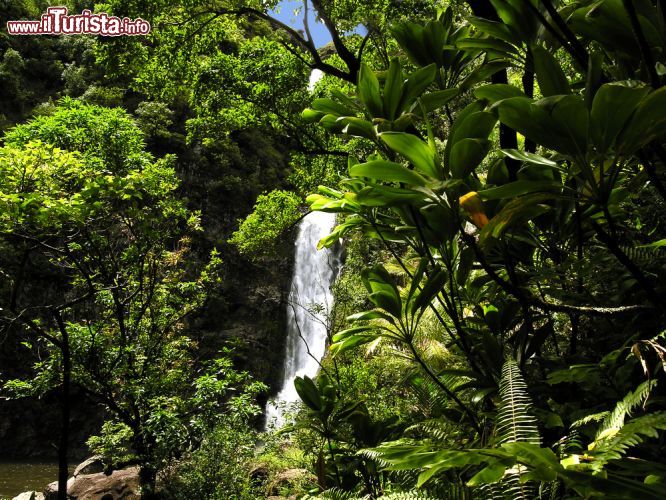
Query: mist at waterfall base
[(310, 300)]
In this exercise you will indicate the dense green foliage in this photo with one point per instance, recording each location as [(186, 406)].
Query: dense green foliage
[(533, 264), (497, 171), (104, 213), (274, 213)]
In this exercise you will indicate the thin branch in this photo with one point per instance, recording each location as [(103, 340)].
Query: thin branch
[(577, 47), (305, 44), (345, 54), (541, 304)]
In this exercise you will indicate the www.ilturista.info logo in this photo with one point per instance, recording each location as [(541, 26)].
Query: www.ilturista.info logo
[(55, 21)]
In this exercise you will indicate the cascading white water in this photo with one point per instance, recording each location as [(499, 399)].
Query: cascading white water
[(310, 301)]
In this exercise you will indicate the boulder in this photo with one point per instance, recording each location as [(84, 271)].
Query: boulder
[(51, 491), (289, 479), (93, 465), (29, 495), (259, 473), (121, 484), (292, 475)]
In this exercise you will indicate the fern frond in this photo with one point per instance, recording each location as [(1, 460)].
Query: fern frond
[(435, 429), (615, 420), (630, 435), (516, 423), (432, 401), (515, 419), (414, 495), (443, 491), (594, 417), (336, 494), (644, 255), (511, 487)]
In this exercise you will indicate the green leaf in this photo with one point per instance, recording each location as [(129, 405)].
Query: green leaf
[(393, 89), (528, 157), (329, 106), (516, 212), (350, 332), (311, 116), (543, 463), (387, 171), (368, 91), (416, 84), (613, 105), (535, 123), (387, 301), (415, 150), (409, 36), (570, 116), (520, 20), (491, 45), (345, 100), (431, 288), (492, 473), (549, 74), (358, 127), (477, 125), (369, 315), (308, 392), (332, 123), (466, 155), (438, 99), (351, 338), (518, 188), (656, 244), (495, 29), (482, 73), (647, 123), (575, 373), (498, 91), (384, 293), (474, 107), (441, 219), (385, 196)]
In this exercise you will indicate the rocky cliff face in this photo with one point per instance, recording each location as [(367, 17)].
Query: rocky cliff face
[(249, 313)]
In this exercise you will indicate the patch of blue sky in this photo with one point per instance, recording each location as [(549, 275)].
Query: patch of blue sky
[(290, 12)]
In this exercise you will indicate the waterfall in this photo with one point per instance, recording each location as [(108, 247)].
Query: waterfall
[(310, 301)]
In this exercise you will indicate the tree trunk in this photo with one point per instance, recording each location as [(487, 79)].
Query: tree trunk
[(65, 402), (508, 138), (148, 478)]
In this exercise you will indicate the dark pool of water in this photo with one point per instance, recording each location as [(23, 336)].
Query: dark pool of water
[(19, 476)]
